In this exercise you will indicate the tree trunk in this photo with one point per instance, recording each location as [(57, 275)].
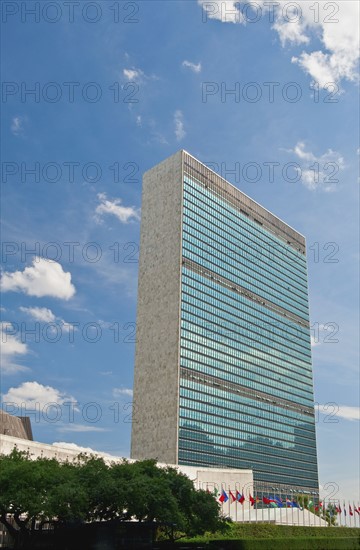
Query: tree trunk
[(13, 532)]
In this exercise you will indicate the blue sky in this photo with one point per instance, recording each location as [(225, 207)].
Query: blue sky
[(119, 87)]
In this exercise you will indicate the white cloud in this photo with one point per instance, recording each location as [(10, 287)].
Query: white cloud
[(44, 278), (318, 172), (291, 24), (79, 428), (133, 75), (17, 125), (349, 413), (342, 411), (45, 315), (41, 314), (195, 67), (33, 395), (114, 207), (179, 125), (137, 75), (139, 121), (119, 392), (336, 25), (11, 347), (226, 11), (314, 341)]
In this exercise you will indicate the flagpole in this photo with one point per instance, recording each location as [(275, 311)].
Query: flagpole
[(298, 514), (339, 515), (256, 508), (350, 514), (242, 504), (286, 509), (355, 514), (304, 514), (340, 523), (229, 502), (236, 506)]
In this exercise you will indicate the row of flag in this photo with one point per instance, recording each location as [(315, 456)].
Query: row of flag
[(340, 510), (239, 497), (277, 502)]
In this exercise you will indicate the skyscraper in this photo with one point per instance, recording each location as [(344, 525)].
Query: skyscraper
[(223, 372)]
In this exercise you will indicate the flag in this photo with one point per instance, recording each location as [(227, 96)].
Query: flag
[(295, 504), (215, 492), (223, 497), (266, 500), (276, 501), (289, 503), (319, 506), (344, 510), (340, 510), (279, 502), (233, 497), (357, 510), (350, 511), (240, 497)]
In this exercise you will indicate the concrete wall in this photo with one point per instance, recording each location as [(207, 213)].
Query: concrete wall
[(155, 412), (16, 426)]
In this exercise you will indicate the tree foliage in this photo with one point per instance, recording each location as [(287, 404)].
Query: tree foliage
[(328, 514), (88, 489)]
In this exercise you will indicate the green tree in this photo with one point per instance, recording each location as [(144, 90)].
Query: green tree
[(328, 514), (33, 490), (88, 489)]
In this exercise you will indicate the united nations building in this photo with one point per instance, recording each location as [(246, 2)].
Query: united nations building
[(223, 370)]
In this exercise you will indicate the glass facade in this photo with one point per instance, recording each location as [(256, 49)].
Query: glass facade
[(246, 390)]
